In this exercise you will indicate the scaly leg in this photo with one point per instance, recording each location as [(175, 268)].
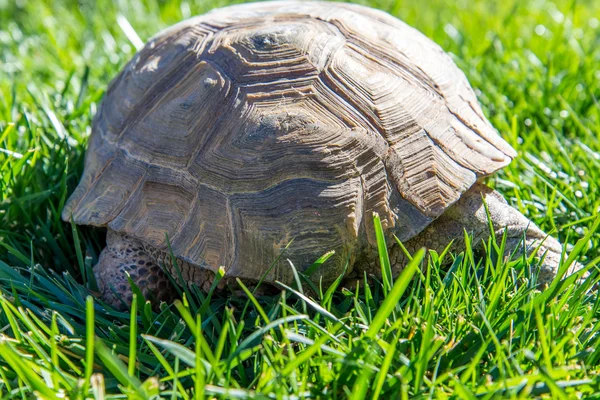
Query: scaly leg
[(469, 214), (124, 254)]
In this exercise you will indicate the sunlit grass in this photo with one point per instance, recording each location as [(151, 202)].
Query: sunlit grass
[(475, 329)]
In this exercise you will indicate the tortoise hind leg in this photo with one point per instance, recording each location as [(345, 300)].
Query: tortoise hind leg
[(122, 255), (469, 214)]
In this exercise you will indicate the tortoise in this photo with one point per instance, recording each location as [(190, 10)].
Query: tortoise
[(283, 127)]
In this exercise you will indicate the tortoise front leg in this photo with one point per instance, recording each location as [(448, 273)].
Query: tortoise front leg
[(469, 214), (122, 255)]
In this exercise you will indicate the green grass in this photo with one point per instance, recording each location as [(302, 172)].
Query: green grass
[(477, 329)]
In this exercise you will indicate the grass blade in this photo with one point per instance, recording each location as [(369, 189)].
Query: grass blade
[(391, 300)]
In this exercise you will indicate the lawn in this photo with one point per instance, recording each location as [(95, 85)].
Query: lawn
[(478, 328)]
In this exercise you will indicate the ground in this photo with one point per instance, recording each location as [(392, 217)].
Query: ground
[(479, 329)]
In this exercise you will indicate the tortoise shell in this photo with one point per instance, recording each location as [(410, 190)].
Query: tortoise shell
[(263, 126)]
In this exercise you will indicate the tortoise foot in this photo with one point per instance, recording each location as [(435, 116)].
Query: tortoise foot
[(122, 256)]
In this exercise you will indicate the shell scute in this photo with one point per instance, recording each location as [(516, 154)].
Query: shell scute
[(283, 125)]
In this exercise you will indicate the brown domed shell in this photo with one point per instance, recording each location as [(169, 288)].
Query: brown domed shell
[(241, 130)]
